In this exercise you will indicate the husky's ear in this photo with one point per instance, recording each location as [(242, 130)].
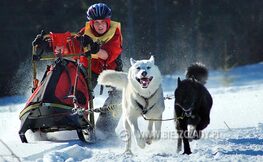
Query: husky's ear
[(152, 59), (178, 81), (132, 61)]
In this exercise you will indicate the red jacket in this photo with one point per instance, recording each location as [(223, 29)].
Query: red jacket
[(113, 47)]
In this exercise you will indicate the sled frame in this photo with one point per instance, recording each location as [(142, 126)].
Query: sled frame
[(51, 56)]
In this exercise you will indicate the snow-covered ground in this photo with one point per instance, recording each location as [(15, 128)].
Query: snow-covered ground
[(235, 132)]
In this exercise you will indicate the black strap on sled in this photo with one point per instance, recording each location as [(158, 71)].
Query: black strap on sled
[(63, 63), (45, 74), (75, 101)]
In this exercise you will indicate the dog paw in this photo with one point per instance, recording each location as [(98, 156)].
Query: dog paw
[(178, 151), (127, 153), (157, 135), (141, 143), (179, 148), (187, 153), (148, 141)]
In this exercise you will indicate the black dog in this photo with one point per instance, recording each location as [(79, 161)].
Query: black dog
[(192, 106)]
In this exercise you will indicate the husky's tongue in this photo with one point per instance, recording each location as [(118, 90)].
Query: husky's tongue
[(144, 82)]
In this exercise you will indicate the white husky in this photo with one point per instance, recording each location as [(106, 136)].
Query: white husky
[(142, 95)]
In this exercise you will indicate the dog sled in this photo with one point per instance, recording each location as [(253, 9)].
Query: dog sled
[(63, 99)]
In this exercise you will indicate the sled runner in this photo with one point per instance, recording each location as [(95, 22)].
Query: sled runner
[(63, 99)]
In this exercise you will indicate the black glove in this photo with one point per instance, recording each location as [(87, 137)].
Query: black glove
[(36, 57), (39, 40), (118, 61), (94, 47), (87, 54), (41, 43), (85, 40)]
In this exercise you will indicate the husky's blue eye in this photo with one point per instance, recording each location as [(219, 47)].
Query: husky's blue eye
[(138, 68), (148, 67)]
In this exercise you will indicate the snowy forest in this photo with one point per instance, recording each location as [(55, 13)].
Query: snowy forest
[(220, 33)]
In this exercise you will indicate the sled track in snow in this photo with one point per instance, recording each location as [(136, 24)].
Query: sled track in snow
[(10, 150)]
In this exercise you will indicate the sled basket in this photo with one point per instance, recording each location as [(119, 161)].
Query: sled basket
[(61, 100)]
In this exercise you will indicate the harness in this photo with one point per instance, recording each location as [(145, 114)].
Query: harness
[(175, 119), (145, 108), (187, 113), (112, 107)]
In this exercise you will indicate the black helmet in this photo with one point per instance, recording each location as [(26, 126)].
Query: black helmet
[(98, 11)]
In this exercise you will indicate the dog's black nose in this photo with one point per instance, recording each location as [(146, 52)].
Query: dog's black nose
[(144, 73)]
